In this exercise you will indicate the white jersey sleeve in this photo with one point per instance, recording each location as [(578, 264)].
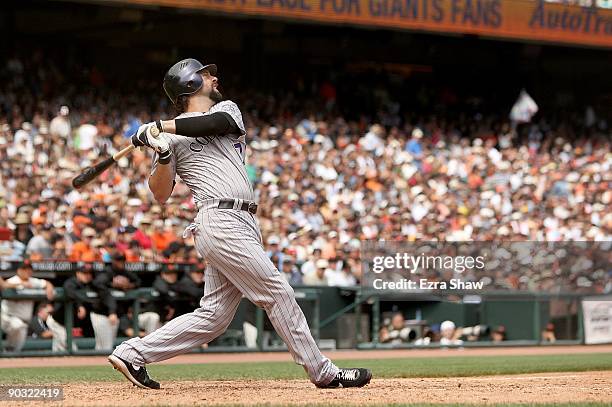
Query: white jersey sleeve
[(232, 109)]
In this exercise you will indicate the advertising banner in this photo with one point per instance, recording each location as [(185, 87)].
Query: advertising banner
[(529, 20), (597, 315)]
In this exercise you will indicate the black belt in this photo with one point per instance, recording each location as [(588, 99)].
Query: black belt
[(248, 206)]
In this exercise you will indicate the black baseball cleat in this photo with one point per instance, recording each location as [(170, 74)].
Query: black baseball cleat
[(354, 377), (139, 377)]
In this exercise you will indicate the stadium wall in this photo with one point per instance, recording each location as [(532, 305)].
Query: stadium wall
[(524, 20)]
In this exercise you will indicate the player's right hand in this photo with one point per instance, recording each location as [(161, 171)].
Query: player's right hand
[(159, 144), (143, 136), (162, 146)]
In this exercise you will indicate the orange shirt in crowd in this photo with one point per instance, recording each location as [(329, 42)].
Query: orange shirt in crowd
[(131, 255), (82, 252), (161, 240)]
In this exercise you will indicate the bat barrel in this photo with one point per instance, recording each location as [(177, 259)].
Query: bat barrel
[(91, 173)]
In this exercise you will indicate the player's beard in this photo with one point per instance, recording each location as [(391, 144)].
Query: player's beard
[(216, 96)]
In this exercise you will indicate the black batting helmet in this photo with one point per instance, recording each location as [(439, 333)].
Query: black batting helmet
[(183, 78)]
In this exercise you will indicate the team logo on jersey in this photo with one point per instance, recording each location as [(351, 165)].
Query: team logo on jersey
[(200, 142)]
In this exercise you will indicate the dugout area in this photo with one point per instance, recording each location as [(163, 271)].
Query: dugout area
[(348, 318)]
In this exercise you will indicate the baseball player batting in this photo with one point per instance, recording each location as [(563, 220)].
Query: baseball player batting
[(205, 145)]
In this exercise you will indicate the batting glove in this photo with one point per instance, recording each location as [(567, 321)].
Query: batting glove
[(143, 136), (163, 149), (165, 157)]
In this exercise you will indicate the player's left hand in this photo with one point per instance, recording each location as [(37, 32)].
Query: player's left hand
[(143, 136)]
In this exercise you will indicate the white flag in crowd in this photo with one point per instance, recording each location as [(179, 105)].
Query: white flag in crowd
[(524, 108)]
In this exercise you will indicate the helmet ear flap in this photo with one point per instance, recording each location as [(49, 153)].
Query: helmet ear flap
[(195, 82)]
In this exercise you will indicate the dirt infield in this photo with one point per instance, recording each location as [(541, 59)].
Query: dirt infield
[(334, 355), (541, 388), (564, 387)]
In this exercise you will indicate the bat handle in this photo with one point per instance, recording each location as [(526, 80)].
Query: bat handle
[(123, 152), (127, 150)]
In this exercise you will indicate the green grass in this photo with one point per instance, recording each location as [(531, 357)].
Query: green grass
[(390, 368)]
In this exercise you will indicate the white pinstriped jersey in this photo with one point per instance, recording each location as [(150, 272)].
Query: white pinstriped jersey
[(212, 167), (238, 266)]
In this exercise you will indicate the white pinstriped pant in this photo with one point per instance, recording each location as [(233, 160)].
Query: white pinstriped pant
[(230, 241)]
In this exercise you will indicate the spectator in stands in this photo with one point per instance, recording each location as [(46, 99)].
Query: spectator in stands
[(274, 251), (328, 251), (122, 241), (83, 249), (86, 133), (144, 233), (80, 222), (39, 247), (460, 175), (101, 219), (38, 325), (175, 252), (290, 271), (12, 249), (353, 258), (105, 319), (319, 276), (58, 242), (191, 289), (310, 265), (414, 146), (107, 250), (133, 252), (16, 314), (343, 277), (23, 228), (60, 127), (373, 141), (162, 235)]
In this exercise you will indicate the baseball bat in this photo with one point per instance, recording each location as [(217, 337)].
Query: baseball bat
[(90, 173)]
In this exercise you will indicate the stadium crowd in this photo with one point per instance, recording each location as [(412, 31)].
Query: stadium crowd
[(324, 182)]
